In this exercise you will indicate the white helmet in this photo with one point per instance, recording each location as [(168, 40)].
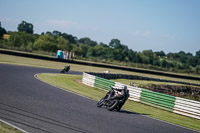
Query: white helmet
[(124, 87)]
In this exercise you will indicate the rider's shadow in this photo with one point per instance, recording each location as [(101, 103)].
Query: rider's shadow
[(129, 112)]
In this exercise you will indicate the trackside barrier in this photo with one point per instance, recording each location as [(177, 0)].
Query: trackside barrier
[(158, 100), (88, 79), (174, 104), (103, 83), (187, 107)]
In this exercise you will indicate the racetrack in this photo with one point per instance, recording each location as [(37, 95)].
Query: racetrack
[(35, 106)]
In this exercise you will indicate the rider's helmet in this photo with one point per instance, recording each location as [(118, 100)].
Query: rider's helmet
[(125, 91), (124, 87)]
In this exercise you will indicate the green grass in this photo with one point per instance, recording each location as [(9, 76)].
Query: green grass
[(72, 83), (15, 60), (143, 82), (4, 128)]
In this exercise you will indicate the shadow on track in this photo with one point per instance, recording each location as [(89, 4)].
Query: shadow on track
[(129, 112)]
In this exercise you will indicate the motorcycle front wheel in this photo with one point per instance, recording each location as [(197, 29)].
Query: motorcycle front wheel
[(100, 103), (62, 71), (113, 104)]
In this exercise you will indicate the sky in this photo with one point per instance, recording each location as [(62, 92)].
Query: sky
[(167, 25)]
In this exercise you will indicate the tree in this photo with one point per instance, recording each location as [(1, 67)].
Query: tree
[(2, 31), (191, 61), (49, 33), (173, 55), (56, 33), (115, 44), (156, 62), (84, 50), (132, 55), (87, 41), (21, 39), (25, 27), (91, 52), (198, 69), (197, 54), (46, 43), (69, 37), (149, 56), (164, 63), (198, 61), (62, 43), (101, 51), (160, 53)]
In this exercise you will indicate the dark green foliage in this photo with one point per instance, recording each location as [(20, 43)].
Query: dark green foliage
[(87, 41), (25, 27), (22, 39), (2, 32), (69, 37)]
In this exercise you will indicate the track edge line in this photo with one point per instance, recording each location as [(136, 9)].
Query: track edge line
[(9, 124)]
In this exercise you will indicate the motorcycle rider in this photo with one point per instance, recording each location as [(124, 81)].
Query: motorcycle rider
[(66, 68), (123, 95)]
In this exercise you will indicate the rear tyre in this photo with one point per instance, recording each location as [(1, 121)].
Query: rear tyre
[(112, 105), (119, 106)]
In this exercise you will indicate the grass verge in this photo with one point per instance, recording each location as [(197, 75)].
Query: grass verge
[(72, 83), (4, 128), (143, 82)]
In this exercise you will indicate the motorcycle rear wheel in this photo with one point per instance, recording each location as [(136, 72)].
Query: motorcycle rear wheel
[(119, 106), (113, 104)]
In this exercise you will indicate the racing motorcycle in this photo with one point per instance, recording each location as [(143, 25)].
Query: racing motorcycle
[(111, 103), (65, 69)]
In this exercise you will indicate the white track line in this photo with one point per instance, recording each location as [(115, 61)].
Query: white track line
[(7, 123)]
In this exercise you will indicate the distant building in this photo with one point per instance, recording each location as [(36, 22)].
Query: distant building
[(6, 36)]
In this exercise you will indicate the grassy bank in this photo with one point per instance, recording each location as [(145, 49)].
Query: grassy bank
[(7, 129), (72, 83)]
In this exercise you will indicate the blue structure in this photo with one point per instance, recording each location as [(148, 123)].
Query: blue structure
[(59, 54)]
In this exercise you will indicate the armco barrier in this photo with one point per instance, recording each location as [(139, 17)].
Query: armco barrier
[(174, 104), (103, 83), (187, 107), (158, 100)]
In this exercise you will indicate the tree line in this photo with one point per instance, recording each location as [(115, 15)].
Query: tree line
[(85, 48)]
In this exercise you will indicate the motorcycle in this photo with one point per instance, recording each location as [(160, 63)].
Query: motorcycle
[(111, 103), (65, 69)]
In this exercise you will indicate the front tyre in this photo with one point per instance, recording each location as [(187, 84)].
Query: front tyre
[(63, 71), (100, 103), (113, 104)]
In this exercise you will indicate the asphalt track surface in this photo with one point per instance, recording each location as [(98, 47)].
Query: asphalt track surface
[(37, 107)]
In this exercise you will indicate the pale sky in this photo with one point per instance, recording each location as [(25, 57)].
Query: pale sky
[(168, 25)]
